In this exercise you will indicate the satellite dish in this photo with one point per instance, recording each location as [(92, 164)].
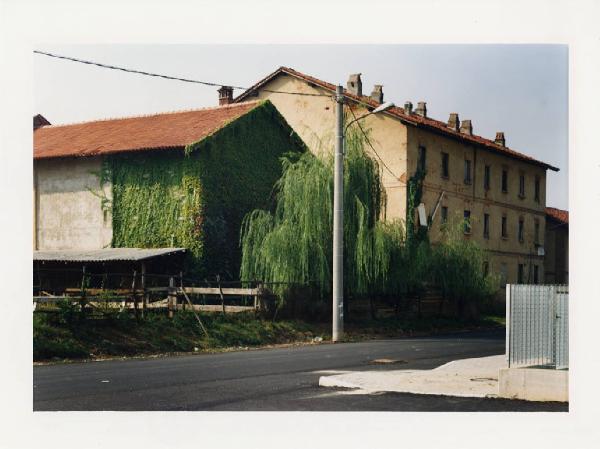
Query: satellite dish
[(422, 215)]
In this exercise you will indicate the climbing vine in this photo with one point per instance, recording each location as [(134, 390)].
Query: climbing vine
[(196, 198)]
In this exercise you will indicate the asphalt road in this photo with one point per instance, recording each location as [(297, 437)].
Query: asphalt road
[(282, 379)]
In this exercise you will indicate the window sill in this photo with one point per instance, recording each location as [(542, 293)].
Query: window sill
[(522, 196), (504, 237), (468, 183)]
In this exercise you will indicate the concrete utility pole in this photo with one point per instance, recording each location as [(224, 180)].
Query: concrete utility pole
[(338, 220)]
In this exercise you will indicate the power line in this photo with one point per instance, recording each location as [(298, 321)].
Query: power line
[(371, 145), (157, 75)]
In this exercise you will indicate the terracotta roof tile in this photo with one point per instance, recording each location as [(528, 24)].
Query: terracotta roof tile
[(558, 214), (414, 119), (159, 131)]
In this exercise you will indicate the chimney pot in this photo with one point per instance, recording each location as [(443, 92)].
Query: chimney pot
[(377, 93), (453, 121), (421, 109), (408, 107), (500, 140), (225, 95), (466, 127), (354, 84)]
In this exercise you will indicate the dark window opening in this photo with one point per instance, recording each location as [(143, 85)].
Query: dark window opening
[(486, 268), (467, 222), (521, 230), (536, 233), (486, 226), (504, 230), (521, 274), (467, 171), (522, 186), (422, 158), (445, 165), (504, 181), (537, 189), (536, 274), (486, 177)]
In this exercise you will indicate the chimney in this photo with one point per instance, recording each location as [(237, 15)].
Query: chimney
[(39, 121), (225, 95), (408, 107), (421, 109), (354, 84), (500, 140), (453, 121), (466, 127), (377, 93)]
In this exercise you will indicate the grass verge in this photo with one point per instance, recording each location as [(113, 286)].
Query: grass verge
[(70, 337)]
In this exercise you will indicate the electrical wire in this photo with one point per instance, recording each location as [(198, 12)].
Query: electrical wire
[(157, 75), (373, 148)]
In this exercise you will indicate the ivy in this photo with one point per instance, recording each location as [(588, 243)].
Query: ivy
[(197, 198)]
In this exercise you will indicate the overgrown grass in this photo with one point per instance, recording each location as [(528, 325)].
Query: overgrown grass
[(122, 335)]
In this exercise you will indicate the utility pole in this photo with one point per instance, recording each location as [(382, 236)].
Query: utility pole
[(338, 220)]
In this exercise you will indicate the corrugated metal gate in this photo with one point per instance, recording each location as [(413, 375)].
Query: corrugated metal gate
[(537, 325)]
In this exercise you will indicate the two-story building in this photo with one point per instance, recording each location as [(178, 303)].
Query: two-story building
[(500, 191)]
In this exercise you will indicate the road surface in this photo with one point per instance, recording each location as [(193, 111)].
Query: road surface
[(283, 379)]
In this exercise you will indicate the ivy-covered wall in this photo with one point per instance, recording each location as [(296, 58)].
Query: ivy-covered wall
[(197, 198)]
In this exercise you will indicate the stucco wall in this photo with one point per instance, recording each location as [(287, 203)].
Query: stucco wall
[(69, 206), (460, 196), (313, 118)]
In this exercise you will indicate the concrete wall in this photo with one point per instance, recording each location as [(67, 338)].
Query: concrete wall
[(67, 199), (313, 118), (460, 196)]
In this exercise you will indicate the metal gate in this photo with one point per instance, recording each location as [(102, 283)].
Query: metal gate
[(537, 325)]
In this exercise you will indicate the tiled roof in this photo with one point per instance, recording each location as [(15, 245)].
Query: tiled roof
[(413, 119), (558, 214), (169, 130)]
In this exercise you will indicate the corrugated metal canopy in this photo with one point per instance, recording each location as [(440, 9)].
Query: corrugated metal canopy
[(104, 255)]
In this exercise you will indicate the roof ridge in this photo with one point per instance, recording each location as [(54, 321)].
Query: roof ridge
[(399, 113), (156, 114)]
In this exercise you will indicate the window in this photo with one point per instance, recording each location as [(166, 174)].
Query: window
[(467, 171), (521, 274), (504, 230), (486, 268), (522, 186), (486, 177), (521, 229), (536, 274), (505, 181), (467, 223), (486, 226), (444, 215), (422, 158), (503, 274), (537, 189), (536, 232), (445, 169)]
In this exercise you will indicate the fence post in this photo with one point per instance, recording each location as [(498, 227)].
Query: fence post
[(508, 324), (172, 297)]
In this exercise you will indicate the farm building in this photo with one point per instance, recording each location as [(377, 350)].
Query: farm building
[(172, 180)]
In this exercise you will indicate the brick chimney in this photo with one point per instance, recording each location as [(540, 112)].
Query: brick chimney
[(377, 93), (453, 121), (408, 107), (466, 127), (421, 109), (500, 140), (354, 84), (39, 121), (225, 95)]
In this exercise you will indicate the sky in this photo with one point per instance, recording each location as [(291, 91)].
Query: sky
[(521, 90)]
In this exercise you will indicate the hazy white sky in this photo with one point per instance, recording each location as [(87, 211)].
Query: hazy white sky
[(519, 89)]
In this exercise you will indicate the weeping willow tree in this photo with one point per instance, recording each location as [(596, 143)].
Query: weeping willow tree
[(293, 245)]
